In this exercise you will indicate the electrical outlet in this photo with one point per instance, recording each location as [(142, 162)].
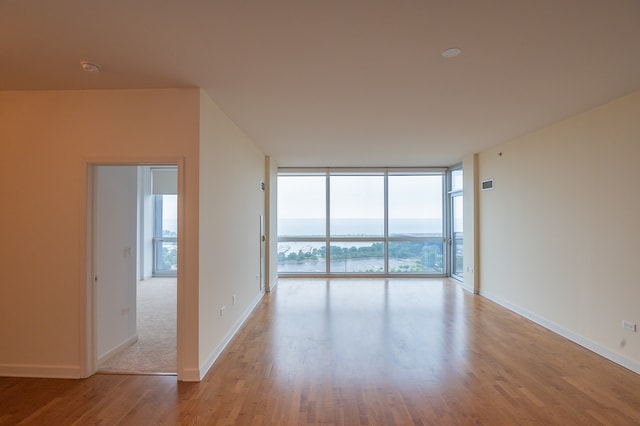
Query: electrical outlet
[(222, 310), (628, 325)]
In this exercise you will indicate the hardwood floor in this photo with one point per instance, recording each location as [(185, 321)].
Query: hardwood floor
[(359, 352)]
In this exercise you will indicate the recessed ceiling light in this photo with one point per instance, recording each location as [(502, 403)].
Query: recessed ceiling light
[(452, 52), (89, 66)]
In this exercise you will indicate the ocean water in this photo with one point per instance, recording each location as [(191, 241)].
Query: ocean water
[(358, 227)]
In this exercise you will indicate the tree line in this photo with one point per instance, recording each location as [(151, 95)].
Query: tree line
[(397, 250)]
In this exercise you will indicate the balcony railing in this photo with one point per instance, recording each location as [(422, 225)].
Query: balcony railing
[(361, 256)]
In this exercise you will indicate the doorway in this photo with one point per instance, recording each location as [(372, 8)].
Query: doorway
[(134, 310)]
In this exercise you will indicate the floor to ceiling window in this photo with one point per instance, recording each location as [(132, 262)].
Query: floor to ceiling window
[(165, 223), (356, 222), (361, 222), (416, 223)]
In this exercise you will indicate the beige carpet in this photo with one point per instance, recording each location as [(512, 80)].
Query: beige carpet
[(155, 350)]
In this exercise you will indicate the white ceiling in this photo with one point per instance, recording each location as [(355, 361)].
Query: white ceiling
[(342, 82)]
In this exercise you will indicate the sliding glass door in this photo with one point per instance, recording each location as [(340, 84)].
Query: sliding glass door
[(456, 223)]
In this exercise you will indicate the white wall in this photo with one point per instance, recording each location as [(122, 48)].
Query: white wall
[(48, 139), (116, 225), (231, 202), (559, 233)]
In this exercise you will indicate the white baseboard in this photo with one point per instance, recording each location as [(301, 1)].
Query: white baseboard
[(576, 338), (218, 350), (466, 288), (461, 284), (43, 371), (130, 341), (272, 285), (57, 371)]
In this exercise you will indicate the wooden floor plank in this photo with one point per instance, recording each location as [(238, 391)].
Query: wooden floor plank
[(358, 352)]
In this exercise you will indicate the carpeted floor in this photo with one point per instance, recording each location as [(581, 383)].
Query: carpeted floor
[(155, 350)]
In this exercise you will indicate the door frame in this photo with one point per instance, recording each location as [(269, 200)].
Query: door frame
[(88, 321)]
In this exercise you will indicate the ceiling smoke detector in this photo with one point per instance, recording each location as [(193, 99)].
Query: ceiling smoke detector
[(89, 66), (452, 52)]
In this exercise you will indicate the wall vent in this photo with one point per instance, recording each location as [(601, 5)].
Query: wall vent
[(487, 184)]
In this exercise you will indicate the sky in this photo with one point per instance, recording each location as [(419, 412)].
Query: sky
[(360, 197), (352, 197), (170, 212)]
